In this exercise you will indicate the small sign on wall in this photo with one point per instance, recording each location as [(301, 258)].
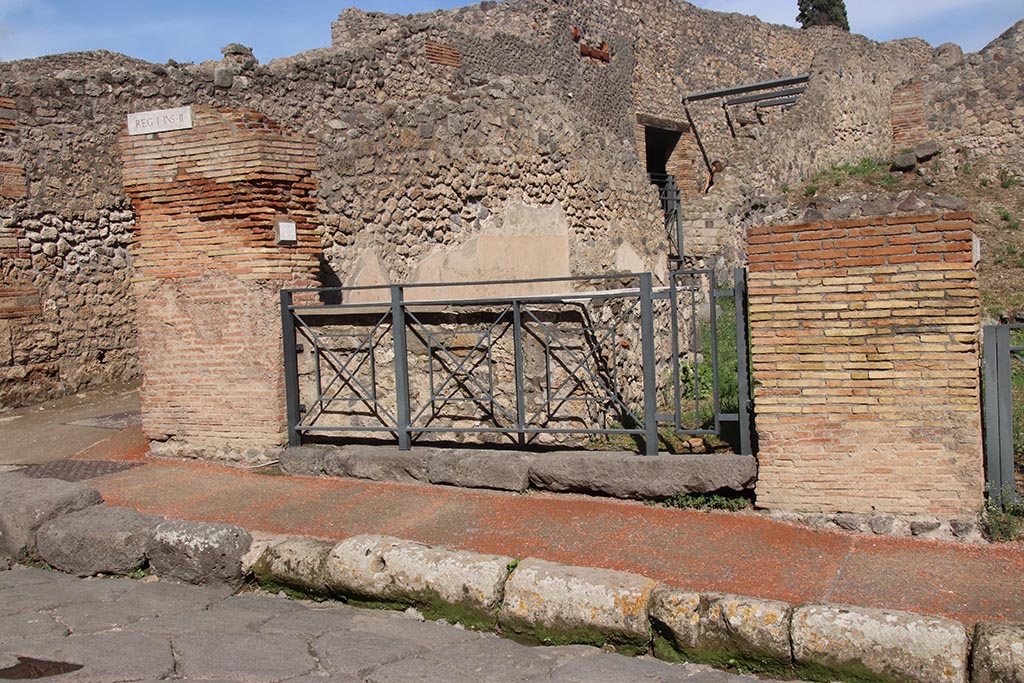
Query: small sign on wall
[(285, 231), (159, 120)]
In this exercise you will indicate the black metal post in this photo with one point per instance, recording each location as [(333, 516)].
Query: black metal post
[(291, 368), (649, 370), (401, 368), (742, 361), (517, 339)]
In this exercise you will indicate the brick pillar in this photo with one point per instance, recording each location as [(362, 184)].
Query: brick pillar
[(864, 339), (909, 112), (208, 274)]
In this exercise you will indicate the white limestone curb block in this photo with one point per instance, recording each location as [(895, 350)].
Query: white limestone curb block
[(392, 569), (460, 578), (297, 562), (563, 598), (900, 646), (999, 654)]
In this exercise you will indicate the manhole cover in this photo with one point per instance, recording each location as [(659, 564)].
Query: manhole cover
[(76, 470), (28, 668), (115, 421)]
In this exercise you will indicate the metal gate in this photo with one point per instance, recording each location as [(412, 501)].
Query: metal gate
[(1003, 362), (590, 355)]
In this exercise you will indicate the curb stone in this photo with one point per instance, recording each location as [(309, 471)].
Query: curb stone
[(897, 647), (98, 540), (998, 655), (28, 503), (557, 604), (722, 629), (199, 552)]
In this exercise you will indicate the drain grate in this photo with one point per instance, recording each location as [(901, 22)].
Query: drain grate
[(76, 470), (28, 668)]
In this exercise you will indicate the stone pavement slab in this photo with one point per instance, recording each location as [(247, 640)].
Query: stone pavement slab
[(260, 638)]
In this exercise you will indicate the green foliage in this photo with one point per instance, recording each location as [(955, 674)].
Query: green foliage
[(822, 13), (1007, 217), (867, 170), (706, 501), (1002, 524), (1008, 179)]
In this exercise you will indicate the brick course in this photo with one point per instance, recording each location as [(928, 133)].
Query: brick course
[(208, 273), (864, 338)]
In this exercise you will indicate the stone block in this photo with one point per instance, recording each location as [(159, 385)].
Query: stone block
[(875, 644), (28, 503), (926, 150), (723, 629), (303, 460), (905, 162), (628, 475), (998, 655), (457, 585), (469, 586), (296, 562), (97, 540), (336, 462), (558, 604), (388, 464), (199, 552), (504, 471)]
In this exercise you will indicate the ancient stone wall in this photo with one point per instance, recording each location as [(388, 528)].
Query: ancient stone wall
[(864, 342), (974, 104)]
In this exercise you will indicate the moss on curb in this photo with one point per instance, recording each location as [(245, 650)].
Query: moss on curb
[(532, 634)]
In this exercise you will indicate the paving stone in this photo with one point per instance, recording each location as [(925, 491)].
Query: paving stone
[(28, 503), (897, 646), (506, 471), (563, 604), (601, 666), (30, 625), (312, 621), (199, 552), (252, 658), (407, 627), (351, 653), (97, 540), (998, 655), (52, 594), (628, 475), (105, 657)]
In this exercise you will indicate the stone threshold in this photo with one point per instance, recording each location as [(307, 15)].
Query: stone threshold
[(618, 474)]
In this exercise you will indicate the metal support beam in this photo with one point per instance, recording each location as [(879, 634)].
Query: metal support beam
[(743, 407), (649, 374), (747, 99), (741, 89), (291, 368), (401, 368)]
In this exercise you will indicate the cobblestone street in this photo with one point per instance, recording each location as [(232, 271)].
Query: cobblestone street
[(125, 630)]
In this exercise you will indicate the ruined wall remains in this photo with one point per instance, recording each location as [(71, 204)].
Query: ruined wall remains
[(208, 275), (864, 342), (974, 104)]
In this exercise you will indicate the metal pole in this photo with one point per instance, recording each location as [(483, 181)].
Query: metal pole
[(649, 373), (742, 362), (1004, 371), (291, 368), (517, 338), (401, 368)]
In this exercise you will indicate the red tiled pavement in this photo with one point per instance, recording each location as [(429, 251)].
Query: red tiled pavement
[(736, 553)]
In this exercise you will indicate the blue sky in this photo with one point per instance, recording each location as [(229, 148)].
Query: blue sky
[(195, 30)]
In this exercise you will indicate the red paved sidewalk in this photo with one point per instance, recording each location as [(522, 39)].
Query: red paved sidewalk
[(736, 553)]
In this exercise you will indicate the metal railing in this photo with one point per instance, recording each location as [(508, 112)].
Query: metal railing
[(672, 207), (545, 358), (1001, 358)]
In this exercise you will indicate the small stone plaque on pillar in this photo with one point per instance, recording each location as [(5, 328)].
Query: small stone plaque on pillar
[(159, 120), (285, 231)]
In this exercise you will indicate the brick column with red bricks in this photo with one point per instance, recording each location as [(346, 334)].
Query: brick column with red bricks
[(208, 274), (864, 338)]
